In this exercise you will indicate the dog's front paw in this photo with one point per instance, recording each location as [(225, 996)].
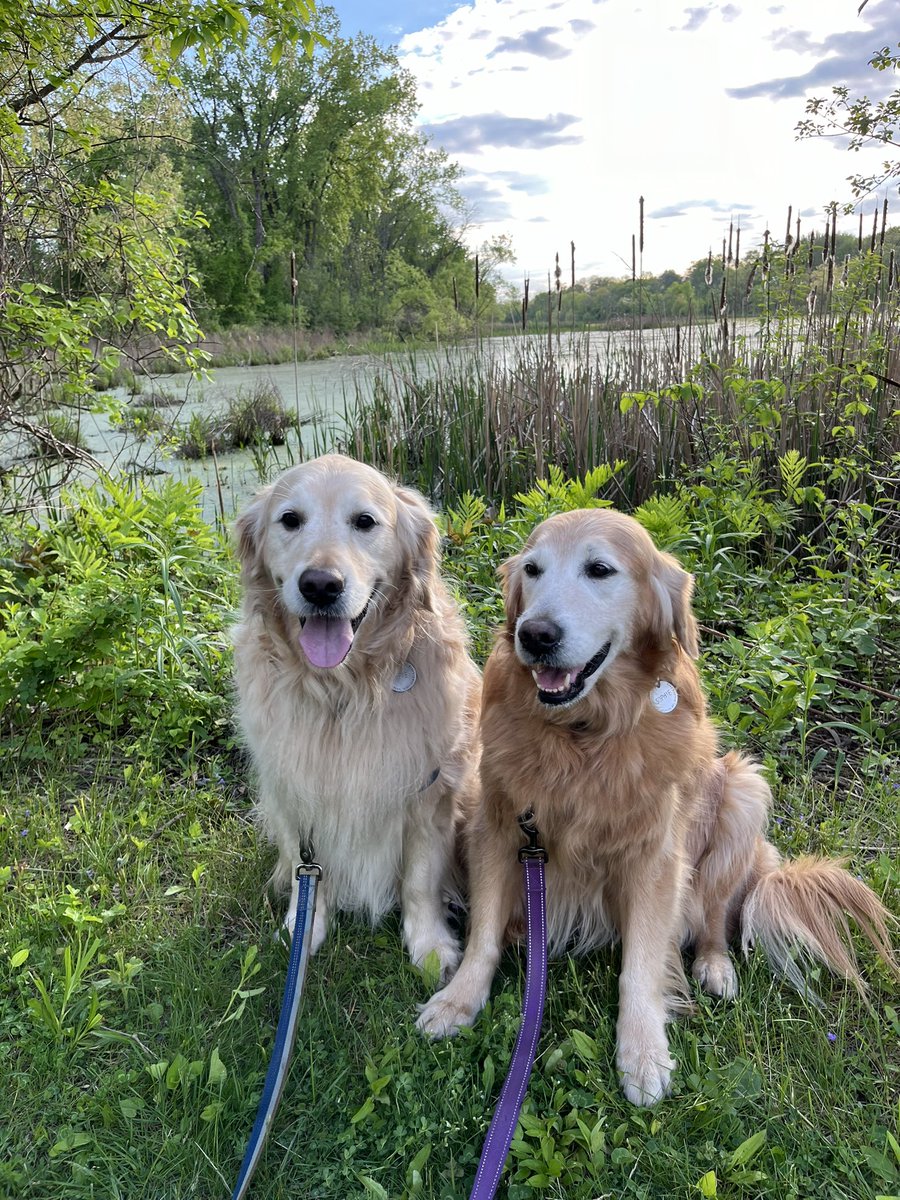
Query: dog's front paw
[(645, 1071), (443, 1016), (420, 943), (716, 975), (319, 931)]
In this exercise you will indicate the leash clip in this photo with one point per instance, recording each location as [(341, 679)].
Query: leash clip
[(532, 850), (307, 864)]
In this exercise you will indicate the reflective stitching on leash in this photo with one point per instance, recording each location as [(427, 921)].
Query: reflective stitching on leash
[(308, 875), (499, 1136)]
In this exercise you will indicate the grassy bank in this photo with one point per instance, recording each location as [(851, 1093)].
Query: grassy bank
[(257, 346), (141, 978)]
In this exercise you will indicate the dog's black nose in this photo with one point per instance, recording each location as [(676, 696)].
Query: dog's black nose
[(540, 637), (320, 587)]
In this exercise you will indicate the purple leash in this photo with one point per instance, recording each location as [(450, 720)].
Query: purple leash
[(500, 1135)]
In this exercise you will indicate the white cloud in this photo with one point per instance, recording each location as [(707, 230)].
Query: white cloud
[(600, 103)]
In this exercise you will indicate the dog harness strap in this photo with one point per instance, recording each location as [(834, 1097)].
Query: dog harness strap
[(308, 874), (500, 1135)]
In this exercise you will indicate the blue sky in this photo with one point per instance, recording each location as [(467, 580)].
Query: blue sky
[(389, 21), (564, 113)]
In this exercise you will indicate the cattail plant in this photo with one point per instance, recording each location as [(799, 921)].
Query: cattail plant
[(664, 401), (572, 283)]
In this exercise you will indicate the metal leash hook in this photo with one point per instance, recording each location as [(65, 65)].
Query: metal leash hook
[(532, 850), (307, 864)]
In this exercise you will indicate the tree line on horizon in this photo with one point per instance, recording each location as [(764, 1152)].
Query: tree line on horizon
[(798, 273)]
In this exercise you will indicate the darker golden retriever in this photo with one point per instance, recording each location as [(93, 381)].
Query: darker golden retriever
[(594, 719)]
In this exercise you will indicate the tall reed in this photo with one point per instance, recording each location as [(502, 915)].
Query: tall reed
[(818, 372)]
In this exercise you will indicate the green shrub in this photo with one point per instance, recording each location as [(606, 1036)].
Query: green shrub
[(112, 622)]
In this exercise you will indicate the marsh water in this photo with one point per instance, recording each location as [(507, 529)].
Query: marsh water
[(316, 392), (320, 394)]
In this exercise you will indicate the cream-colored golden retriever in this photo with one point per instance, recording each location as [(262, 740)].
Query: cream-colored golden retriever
[(594, 719), (357, 698)]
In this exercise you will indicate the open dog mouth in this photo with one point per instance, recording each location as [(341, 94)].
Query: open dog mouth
[(558, 685), (326, 641)]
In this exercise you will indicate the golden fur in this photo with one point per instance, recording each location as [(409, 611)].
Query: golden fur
[(340, 756), (651, 838)]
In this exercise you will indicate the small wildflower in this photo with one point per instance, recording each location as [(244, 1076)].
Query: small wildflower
[(832, 1037)]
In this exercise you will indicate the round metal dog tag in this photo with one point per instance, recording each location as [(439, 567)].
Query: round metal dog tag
[(405, 679), (664, 696)]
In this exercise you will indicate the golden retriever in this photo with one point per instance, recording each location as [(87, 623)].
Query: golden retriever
[(356, 696), (594, 719)]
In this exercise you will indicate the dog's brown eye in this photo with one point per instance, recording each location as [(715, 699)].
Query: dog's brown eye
[(599, 570), (364, 521), (532, 569), (290, 519)]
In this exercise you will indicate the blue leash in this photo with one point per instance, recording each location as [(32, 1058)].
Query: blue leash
[(308, 876)]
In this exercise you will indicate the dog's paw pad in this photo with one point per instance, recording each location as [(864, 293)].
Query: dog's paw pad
[(716, 975), (646, 1077), (441, 1018)]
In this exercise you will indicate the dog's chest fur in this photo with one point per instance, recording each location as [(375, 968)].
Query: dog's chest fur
[(601, 800), (344, 766)]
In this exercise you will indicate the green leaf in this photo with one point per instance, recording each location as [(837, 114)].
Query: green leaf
[(218, 1072), (21, 956), (72, 1141), (421, 1159), (365, 1110), (373, 1187), (431, 969), (747, 1149), (585, 1045), (621, 1155), (707, 1185)]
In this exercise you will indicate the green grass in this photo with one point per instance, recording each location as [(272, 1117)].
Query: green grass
[(157, 1100), (140, 974)]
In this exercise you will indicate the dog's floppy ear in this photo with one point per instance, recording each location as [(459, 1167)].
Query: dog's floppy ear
[(671, 609), (511, 580), (419, 539), (248, 531)]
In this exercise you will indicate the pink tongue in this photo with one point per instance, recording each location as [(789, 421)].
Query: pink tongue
[(326, 641), (551, 680)]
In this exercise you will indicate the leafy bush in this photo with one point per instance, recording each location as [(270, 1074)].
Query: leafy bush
[(112, 621), (203, 434), (801, 642), (822, 386)]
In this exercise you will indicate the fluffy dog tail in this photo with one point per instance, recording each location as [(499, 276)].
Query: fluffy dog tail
[(799, 911)]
